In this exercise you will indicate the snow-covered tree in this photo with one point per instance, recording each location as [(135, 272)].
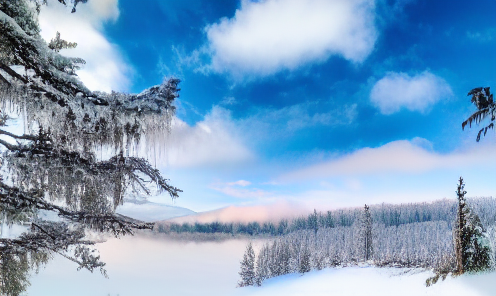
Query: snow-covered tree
[(313, 221), (472, 245), (367, 233), (486, 108), (262, 271), (53, 166), (305, 263), (247, 272)]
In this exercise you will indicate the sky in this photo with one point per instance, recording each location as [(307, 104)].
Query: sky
[(301, 104)]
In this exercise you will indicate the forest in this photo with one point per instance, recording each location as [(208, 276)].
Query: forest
[(444, 236), (384, 214)]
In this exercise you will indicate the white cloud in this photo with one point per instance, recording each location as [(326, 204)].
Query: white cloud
[(105, 69), (398, 157), (212, 141), (242, 183), (417, 93), (265, 37)]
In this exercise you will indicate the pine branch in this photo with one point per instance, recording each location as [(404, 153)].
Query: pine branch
[(117, 225)]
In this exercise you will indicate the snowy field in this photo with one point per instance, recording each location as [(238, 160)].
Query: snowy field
[(153, 266)]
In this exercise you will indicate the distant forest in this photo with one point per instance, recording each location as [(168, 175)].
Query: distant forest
[(406, 235), (385, 215), (417, 235)]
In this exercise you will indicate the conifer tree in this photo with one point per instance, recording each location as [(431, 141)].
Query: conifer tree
[(305, 261), (329, 221), (313, 222), (262, 269), (247, 272), (471, 243), (53, 166), (486, 108), (367, 233)]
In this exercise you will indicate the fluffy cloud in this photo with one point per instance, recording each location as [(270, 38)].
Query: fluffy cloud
[(417, 93), (265, 37), (105, 69), (398, 157), (212, 141)]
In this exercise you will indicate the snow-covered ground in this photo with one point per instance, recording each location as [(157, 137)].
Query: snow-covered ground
[(153, 265), (372, 281)]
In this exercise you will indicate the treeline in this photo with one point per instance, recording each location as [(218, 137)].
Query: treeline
[(305, 250), (385, 214), (456, 240)]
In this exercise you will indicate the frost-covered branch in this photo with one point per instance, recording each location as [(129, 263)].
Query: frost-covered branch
[(12, 199), (53, 166)]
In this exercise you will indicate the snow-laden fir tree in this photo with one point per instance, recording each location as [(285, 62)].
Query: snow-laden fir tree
[(262, 271), (305, 263), (366, 231), (313, 221), (53, 166), (472, 247), (247, 272)]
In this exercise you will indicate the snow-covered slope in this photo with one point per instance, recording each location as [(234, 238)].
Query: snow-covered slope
[(372, 281), (150, 211), (150, 264)]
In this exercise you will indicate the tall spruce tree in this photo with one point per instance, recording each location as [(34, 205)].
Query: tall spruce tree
[(53, 166), (367, 233), (305, 263), (247, 272), (471, 243)]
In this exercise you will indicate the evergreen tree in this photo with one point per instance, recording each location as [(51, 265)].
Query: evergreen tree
[(305, 261), (329, 221), (367, 233), (247, 271), (472, 249), (313, 221), (486, 108), (54, 166), (262, 269), (57, 43)]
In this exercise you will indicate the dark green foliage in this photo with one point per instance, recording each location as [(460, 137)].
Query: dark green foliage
[(329, 221), (387, 214), (57, 43), (313, 221), (15, 270), (305, 261), (471, 243), (367, 233), (54, 166), (486, 108)]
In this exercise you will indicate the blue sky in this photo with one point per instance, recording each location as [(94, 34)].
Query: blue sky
[(309, 103)]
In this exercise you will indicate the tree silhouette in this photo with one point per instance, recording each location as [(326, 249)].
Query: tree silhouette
[(486, 108)]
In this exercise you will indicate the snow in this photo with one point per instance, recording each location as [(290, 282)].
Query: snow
[(372, 281), (154, 265), (151, 212)]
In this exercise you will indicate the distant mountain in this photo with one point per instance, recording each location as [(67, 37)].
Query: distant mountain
[(150, 212)]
